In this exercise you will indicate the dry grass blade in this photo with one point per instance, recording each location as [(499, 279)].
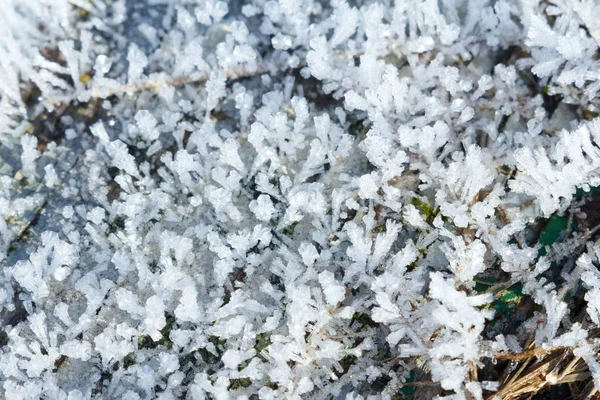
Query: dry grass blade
[(529, 381), (528, 354), (153, 84), (542, 368)]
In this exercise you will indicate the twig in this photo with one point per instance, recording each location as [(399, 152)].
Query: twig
[(31, 222), (528, 354), (421, 383), (155, 85)]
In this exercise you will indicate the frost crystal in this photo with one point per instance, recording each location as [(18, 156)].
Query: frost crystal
[(299, 199)]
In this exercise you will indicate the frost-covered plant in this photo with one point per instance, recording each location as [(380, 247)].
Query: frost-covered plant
[(296, 199)]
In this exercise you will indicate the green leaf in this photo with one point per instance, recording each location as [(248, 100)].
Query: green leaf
[(508, 299), (579, 192), (408, 390), (515, 292), (554, 228), (483, 283)]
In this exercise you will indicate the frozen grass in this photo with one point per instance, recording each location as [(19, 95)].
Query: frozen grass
[(299, 199)]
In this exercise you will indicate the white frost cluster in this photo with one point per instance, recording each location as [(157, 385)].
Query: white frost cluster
[(291, 199)]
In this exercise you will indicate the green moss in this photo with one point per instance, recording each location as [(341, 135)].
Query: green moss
[(239, 383), (379, 229), (290, 229), (364, 320), (84, 78), (24, 182), (428, 212), (105, 377), (83, 14), (384, 352), (216, 341), (189, 358), (218, 115), (263, 340), (117, 224), (146, 342), (347, 362), (129, 360), (208, 357), (357, 126), (166, 331)]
